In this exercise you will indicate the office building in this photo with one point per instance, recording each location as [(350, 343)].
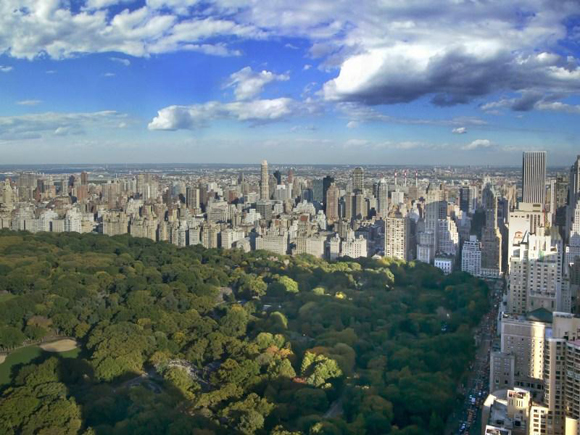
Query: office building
[(534, 177), (264, 182)]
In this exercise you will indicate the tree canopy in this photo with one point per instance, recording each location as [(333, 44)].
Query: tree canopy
[(189, 340)]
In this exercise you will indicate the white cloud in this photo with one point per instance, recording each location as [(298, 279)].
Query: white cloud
[(459, 130), (29, 102), (32, 28), (181, 7), (109, 74), (125, 62), (352, 124), (36, 126), (248, 84), (451, 51), (478, 144), (5, 69), (199, 115), (307, 67)]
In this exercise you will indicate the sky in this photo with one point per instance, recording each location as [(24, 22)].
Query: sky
[(446, 82)]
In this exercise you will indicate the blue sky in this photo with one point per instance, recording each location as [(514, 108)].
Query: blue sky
[(317, 81)]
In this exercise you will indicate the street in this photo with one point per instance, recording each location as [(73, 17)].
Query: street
[(465, 418)]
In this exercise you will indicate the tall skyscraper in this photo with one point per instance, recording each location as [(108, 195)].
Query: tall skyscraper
[(534, 177), (383, 197), (358, 179), (326, 182), (278, 176), (435, 209), (331, 203), (490, 236), (464, 198), (192, 197), (573, 194), (264, 182)]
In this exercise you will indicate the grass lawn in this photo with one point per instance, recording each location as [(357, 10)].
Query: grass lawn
[(19, 356), (25, 355)]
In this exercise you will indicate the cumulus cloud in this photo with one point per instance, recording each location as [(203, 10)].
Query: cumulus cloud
[(459, 130), (199, 115), (29, 102), (478, 144), (31, 28), (449, 51), (36, 126), (5, 69), (248, 84)]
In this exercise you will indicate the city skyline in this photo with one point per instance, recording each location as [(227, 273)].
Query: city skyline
[(106, 81)]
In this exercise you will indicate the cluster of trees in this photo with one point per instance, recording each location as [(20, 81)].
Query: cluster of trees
[(190, 340)]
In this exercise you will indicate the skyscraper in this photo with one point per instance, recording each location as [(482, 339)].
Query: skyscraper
[(534, 177), (464, 198), (331, 203), (491, 259), (264, 182), (573, 194), (326, 182), (358, 179), (383, 197), (278, 176)]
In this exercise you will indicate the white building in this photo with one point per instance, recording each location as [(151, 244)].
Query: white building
[(471, 256)]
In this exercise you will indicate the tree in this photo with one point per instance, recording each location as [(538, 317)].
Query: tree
[(11, 337)]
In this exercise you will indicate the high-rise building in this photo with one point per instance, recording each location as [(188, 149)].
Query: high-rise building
[(435, 209), (464, 199), (573, 193), (326, 182), (192, 197), (534, 177), (349, 206), (331, 203), (358, 180), (397, 235), (490, 236), (264, 182), (535, 279), (278, 176), (382, 197), (471, 256), (360, 205)]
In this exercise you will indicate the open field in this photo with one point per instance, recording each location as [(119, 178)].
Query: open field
[(66, 348), (19, 356)]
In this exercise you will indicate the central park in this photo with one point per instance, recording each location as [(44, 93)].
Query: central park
[(193, 340)]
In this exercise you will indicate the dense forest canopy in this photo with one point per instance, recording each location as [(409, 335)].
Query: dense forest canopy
[(196, 341)]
